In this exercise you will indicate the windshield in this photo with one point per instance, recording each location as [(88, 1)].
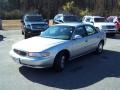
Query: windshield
[(34, 18), (58, 32), (99, 19), (71, 19)]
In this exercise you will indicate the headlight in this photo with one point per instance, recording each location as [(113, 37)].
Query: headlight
[(28, 26), (36, 54)]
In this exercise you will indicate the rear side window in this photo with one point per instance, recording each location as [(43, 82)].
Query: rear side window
[(90, 30)]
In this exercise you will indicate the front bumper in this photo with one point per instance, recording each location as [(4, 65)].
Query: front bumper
[(32, 62), (33, 32), (114, 31)]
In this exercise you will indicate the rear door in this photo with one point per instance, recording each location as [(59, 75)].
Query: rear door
[(80, 43), (93, 37)]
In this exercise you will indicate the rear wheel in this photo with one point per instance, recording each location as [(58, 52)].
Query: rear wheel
[(99, 49), (59, 62)]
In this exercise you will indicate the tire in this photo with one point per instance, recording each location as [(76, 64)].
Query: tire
[(22, 32), (26, 36), (59, 62), (99, 49)]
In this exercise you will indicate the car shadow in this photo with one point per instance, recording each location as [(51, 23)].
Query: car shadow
[(79, 73), (117, 36)]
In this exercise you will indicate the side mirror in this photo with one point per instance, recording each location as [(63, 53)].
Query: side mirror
[(77, 37), (22, 21), (60, 21)]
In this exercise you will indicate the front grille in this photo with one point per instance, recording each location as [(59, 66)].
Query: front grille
[(110, 27), (22, 53), (38, 26)]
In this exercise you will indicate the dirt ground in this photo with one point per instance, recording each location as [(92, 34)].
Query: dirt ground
[(15, 24)]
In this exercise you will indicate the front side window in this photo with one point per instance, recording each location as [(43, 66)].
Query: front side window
[(58, 32), (81, 31), (71, 19), (90, 30)]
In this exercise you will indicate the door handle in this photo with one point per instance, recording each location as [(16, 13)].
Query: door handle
[(86, 40), (98, 36)]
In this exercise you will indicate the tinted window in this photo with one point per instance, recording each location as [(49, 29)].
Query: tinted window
[(99, 19), (58, 32), (90, 30), (81, 31), (71, 19), (33, 18)]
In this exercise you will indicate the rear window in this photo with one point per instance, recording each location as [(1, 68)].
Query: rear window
[(71, 19)]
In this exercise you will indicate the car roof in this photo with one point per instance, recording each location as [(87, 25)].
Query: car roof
[(67, 14), (114, 17), (74, 24)]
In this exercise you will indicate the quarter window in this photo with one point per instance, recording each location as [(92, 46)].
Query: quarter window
[(90, 30)]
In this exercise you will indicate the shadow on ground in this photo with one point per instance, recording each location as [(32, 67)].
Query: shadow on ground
[(117, 36), (80, 73), (1, 37)]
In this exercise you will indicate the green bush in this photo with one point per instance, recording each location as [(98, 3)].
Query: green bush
[(72, 8)]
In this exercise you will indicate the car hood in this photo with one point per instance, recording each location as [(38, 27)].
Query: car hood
[(37, 44)]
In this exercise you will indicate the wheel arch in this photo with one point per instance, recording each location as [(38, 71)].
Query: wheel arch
[(102, 41), (66, 52)]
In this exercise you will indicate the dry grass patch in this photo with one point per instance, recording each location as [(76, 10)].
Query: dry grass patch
[(11, 24), (15, 24)]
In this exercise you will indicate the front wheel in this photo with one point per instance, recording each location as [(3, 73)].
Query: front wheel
[(99, 49), (22, 32), (26, 36), (59, 62)]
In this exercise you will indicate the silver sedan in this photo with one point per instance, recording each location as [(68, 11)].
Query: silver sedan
[(57, 45)]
